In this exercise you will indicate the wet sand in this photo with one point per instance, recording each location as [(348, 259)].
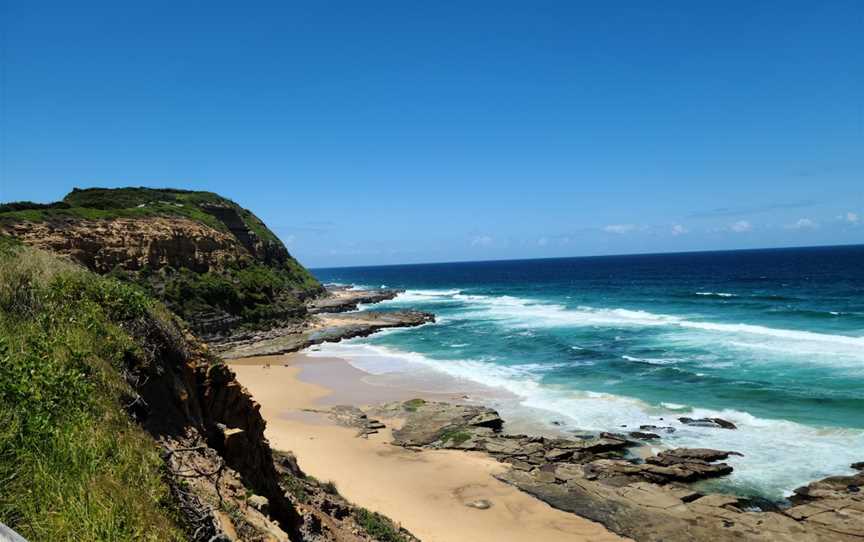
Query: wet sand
[(425, 491)]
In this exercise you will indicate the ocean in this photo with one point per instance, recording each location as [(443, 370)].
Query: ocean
[(772, 340)]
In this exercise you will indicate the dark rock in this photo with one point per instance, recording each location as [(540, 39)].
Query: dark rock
[(557, 454), (320, 329), (655, 428), (709, 422), (684, 455), (344, 299), (858, 466), (487, 418), (643, 436)]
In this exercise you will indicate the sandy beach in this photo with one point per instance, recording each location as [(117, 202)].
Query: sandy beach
[(427, 491)]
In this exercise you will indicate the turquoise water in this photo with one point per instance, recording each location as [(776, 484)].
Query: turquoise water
[(772, 340)]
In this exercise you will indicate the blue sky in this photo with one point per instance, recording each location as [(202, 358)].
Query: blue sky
[(390, 132)]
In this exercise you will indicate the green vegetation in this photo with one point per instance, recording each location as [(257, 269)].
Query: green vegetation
[(330, 488), (73, 466), (413, 404), (377, 526), (258, 295), (256, 292), (50, 212), (295, 486), (456, 436), (105, 203)]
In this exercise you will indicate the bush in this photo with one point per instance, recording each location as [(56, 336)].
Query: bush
[(258, 295), (413, 404)]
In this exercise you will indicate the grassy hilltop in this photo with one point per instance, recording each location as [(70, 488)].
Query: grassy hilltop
[(242, 275)]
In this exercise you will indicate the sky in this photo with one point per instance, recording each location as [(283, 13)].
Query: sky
[(377, 132)]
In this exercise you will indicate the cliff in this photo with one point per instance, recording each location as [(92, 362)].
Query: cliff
[(116, 423), (212, 262)]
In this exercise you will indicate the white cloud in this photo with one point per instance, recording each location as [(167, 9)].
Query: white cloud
[(803, 224), (481, 241), (852, 218), (619, 228), (741, 226), (543, 241), (678, 229)]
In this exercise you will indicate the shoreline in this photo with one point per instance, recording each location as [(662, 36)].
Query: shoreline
[(421, 465), (427, 491), (440, 489)]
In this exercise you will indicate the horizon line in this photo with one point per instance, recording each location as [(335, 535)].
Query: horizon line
[(705, 251)]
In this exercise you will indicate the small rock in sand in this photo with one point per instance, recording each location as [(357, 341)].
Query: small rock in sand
[(480, 504)]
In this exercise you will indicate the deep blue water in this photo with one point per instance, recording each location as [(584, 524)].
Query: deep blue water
[(771, 339)]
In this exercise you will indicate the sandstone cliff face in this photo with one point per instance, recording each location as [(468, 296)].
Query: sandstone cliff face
[(211, 261), (133, 243)]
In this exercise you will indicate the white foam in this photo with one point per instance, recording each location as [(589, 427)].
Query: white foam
[(424, 296), (652, 361), (522, 313), (778, 455), (716, 294)]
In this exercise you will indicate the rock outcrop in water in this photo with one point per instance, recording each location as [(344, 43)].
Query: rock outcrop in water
[(344, 299), (318, 329)]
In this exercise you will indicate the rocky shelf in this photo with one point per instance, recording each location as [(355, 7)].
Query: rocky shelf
[(345, 298), (328, 323), (645, 498)]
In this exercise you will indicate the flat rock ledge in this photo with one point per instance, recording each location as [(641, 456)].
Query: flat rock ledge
[(319, 329), (648, 499), (344, 298)]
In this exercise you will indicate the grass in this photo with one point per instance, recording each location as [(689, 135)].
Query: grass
[(73, 466), (134, 202), (413, 404), (88, 213), (377, 526), (455, 436)]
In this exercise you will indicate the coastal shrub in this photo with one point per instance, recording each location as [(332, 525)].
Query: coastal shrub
[(413, 404), (29, 205), (72, 464), (377, 526), (256, 294)]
